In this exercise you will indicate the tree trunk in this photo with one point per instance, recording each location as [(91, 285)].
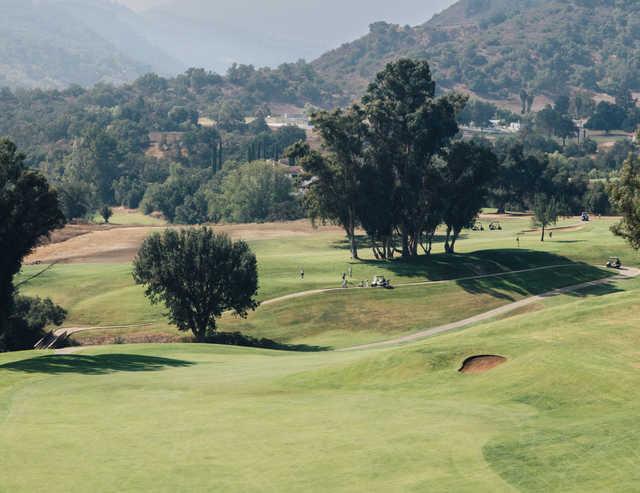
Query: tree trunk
[(6, 306), (543, 231), (351, 233), (405, 242), (354, 247), (454, 238), (447, 247), (389, 248), (200, 333)]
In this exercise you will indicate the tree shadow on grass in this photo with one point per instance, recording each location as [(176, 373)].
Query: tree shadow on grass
[(511, 286), (242, 340), (598, 290), (364, 243), (94, 365), (496, 287), (441, 267)]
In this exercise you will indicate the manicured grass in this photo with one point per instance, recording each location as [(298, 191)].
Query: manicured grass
[(127, 217), (94, 294), (560, 415), (343, 319), (105, 295)]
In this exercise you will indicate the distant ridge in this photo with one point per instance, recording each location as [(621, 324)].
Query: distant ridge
[(53, 44), (495, 48)]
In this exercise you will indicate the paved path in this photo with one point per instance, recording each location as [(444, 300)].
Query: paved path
[(625, 273), (304, 294)]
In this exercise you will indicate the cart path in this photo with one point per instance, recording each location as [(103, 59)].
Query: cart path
[(626, 273), (304, 294)]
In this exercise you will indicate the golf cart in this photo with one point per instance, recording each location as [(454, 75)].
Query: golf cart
[(495, 226), (478, 226), (381, 282), (585, 217), (614, 263)]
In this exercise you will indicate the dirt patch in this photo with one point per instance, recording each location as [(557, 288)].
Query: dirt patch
[(133, 338), (120, 244), (481, 364)]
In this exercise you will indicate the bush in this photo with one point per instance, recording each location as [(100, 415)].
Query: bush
[(28, 321)]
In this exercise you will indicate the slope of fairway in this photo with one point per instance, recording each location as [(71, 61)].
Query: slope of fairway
[(349, 318), (104, 295), (559, 415)]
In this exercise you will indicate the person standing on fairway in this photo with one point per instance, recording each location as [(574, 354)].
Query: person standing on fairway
[(350, 272), (301, 274)]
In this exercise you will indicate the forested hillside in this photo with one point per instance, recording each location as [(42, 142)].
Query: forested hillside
[(497, 48), (52, 44), (161, 139)]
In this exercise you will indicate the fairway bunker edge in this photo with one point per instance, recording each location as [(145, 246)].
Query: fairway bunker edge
[(481, 363)]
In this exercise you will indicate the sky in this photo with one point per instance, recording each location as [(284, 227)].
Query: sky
[(398, 11)]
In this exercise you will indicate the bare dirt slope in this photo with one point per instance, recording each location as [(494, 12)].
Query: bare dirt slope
[(120, 244)]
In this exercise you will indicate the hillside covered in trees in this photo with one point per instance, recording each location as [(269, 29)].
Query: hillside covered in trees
[(52, 44), (161, 139), (497, 48)]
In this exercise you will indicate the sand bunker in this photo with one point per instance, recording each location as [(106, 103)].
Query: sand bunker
[(481, 364)]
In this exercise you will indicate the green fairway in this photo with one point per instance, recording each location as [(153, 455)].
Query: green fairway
[(127, 217), (558, 416), (105, 295), (343, 319), (185, 417)]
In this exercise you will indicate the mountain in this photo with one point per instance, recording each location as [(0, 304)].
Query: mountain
[(56, 43), (497, 48), (214, 35)]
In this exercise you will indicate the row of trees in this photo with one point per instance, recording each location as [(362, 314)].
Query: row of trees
[(241, 192), (390, 165), (394, 166)]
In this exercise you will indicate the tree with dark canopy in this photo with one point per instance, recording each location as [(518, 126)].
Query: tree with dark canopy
[(198, 275), (29, 210), (469, 169), (408, 127), (625, 197), (520, 176), (336, 194)]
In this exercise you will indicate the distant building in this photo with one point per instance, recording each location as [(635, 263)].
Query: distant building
[(296, 120)]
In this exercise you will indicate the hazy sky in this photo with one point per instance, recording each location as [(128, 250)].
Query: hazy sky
[(398, 11), (142, 4), (215, 33)]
